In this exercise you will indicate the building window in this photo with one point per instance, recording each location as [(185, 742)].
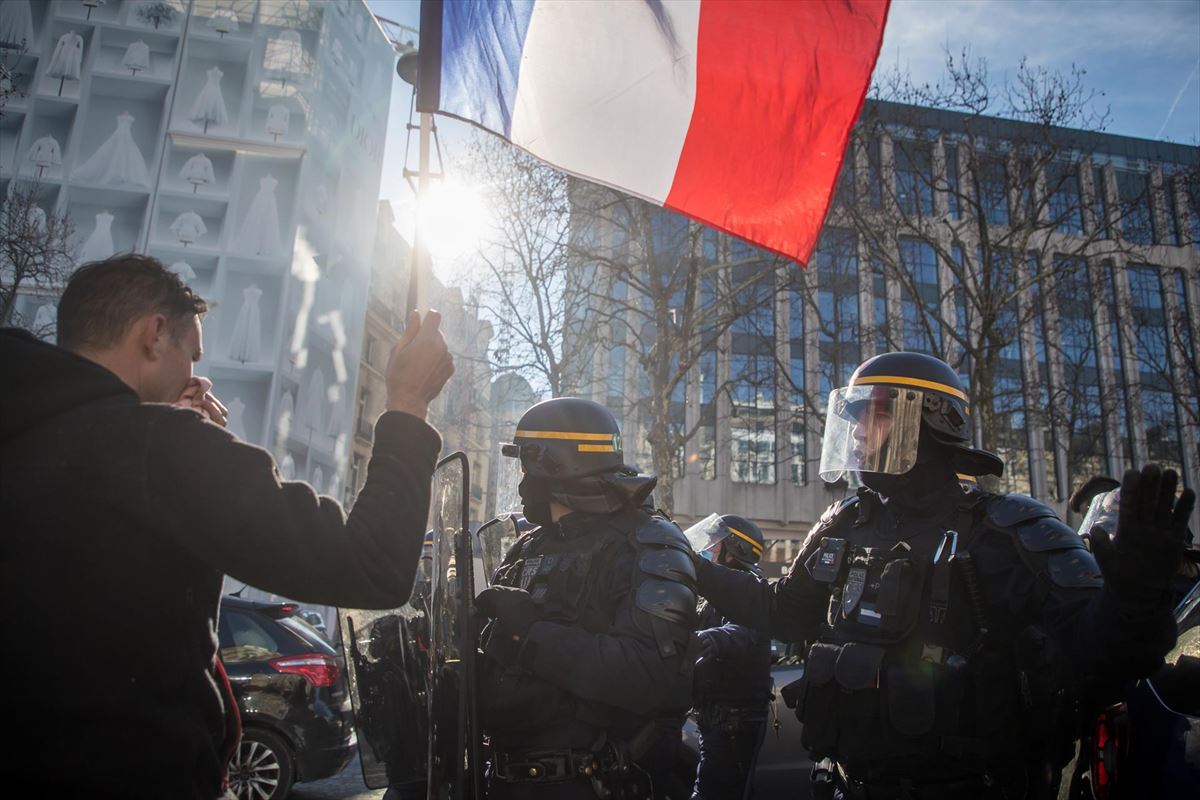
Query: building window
[(1171, 212), (879, 305), (1117, 397), (1079, 398), (1191, 194), (1040, 396), (874, 174), (1137, 222), (921, 313), (369, 348), (914, 178), (357, 476), (952, 187), (796, 370), (993, 191), (366, 425), (753, 452), (1064, 204), (1100, 205), (837, 308), (1152, 338)]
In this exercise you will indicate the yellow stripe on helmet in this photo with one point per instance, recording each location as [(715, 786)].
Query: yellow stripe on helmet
[(867, 380), (586, 437), (597, 448), (755, 546)]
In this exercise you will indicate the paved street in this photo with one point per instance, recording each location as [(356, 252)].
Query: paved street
[(346, 785)]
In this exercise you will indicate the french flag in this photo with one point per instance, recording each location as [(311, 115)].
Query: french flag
[(735, 113)]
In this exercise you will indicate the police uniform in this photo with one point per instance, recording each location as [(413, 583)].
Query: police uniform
[(587, 701), (733, 676), (947, 626)]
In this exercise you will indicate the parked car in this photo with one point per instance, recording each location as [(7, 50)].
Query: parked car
[(783, 763), (296, 718), (314, 619)]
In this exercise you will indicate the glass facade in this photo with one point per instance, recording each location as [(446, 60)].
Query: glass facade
[(1078, 399), (914, 178), (838, 347), (1064, 203), (1137, 222), (920, 314), (1151, 330)]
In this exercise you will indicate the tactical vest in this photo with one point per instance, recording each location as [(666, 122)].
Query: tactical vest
[(570, 580), (902, 675)]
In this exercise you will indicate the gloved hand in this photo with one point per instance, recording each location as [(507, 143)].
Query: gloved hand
[(514, 612), (1151, 532), (708, 648)]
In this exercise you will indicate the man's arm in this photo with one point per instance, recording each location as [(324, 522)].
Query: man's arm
[(223, 500), (790, 609), (730, 638)]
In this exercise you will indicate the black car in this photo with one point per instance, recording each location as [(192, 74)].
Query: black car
[(296, 718)]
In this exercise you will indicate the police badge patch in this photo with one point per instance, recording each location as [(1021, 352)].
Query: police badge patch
[(856, 583), (530, 571)]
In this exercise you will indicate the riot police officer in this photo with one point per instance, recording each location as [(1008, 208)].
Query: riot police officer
[(948, 625), (733, 675), (588, 658)]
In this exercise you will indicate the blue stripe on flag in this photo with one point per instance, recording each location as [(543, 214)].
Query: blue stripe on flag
[(482, 42)]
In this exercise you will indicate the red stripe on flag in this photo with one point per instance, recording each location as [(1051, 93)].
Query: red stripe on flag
[(779, 85)]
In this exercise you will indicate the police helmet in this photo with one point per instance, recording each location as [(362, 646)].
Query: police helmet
[(565, 439), (873, 424), (743, 539)]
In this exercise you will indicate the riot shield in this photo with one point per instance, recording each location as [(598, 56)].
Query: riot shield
[(454, 736), (406, 666), (494, 540)]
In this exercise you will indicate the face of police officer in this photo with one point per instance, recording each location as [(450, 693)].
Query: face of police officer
[(871, 430)]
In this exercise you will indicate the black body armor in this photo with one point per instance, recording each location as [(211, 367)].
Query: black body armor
[(913, 670), (610, 652)]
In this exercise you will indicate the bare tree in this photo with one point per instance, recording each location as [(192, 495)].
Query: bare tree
[(529, 287), (671, 299), (36, 250), (965, 218)]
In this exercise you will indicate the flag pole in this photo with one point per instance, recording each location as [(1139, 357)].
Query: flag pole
[(418, 275)]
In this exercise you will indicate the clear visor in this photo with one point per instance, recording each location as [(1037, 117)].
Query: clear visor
[(508, 480), (870, 429), (1102, 512), (707, 533)]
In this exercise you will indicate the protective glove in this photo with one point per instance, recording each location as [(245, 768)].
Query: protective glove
[(1151, 536), (514, 612)]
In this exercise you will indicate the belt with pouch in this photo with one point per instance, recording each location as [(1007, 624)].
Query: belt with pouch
[(963, 789), (546, 766)]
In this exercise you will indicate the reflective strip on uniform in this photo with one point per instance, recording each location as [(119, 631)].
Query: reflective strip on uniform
[(597, 448), (586, 437), (753, 544), (867, 380)]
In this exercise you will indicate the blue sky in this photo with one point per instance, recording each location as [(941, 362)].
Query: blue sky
[(1143, 54)]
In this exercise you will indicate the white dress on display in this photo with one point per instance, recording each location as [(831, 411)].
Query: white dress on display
[(137, 57), (260, 231), (183, 270), (223, 21), (209, 106), (45, 321), (198, 171), (99, 245), (285, 54), (278, 121), (118, 161), (16, 23), (237, 425), (36, 218), (283, 423), (188, 227), (67, 60), (247, 330), (45, 153)]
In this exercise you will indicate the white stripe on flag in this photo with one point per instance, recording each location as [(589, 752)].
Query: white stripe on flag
[(606, 92)]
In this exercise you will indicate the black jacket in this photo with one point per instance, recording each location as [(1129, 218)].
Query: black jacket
[(738, 671), (117, 520)]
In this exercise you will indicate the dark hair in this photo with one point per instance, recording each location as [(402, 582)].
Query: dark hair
[(104, 298)]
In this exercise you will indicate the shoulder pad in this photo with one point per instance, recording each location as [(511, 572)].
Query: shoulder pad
[(667, 600), (1007, 510), (830, 517), (668, 563), (1048, 533), (1074, 569), (659, 532)]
